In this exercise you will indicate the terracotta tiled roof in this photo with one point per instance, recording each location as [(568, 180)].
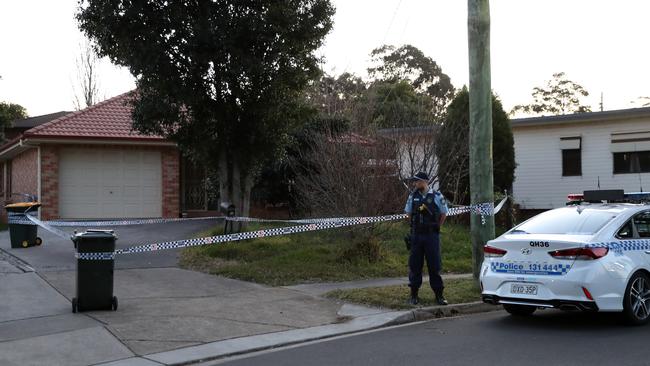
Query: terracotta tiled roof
[(110, 119)]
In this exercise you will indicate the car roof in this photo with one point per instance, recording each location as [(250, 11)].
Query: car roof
[(611, 207)]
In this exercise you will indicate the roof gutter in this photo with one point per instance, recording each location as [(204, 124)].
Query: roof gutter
[(605, 116), (91, 141), (13, 150)]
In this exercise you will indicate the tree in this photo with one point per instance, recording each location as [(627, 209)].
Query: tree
[(394, 104), (641, 101), (336, 96), (453, 149), (87, 91), (559, 96), (407, 62), (10, 112), (222, 79), (349, 174)]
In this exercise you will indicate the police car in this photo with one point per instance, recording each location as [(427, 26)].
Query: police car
[(592, 255)]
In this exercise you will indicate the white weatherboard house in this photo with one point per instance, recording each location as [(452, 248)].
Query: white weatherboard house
[(565, 154)]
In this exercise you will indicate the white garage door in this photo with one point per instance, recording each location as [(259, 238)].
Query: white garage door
[(109, 183)]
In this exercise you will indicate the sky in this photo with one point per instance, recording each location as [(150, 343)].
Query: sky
[(600, 44)]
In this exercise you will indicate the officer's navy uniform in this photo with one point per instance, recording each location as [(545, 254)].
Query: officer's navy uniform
[(425, 210)]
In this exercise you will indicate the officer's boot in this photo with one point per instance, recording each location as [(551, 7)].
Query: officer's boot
[(414, 300), (440, 298)]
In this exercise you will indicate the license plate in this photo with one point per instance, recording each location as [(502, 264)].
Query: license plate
[(523, 289)]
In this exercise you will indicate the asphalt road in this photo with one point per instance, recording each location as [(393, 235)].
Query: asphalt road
[(550, 338)]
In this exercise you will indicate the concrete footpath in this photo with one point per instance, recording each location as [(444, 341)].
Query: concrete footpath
[(166, 315)]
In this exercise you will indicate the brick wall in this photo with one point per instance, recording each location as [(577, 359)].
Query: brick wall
[(49, 182), (171, 188), (23, 178), (24, 173)]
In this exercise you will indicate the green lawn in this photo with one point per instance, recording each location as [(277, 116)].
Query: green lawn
[(457, 291), (319, 256), (3, 227)]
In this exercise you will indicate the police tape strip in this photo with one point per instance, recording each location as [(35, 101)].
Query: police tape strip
[(35, 221), (19, 219), (328, 223)]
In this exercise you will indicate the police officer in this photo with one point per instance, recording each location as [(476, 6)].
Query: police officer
[(427, 211)]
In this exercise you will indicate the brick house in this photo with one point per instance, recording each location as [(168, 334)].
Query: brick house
[(90, 164)]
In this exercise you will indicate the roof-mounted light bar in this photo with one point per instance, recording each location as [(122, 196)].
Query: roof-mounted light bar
[(607, 195)]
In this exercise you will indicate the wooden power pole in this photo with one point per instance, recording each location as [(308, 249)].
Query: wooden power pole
[(480, 125)]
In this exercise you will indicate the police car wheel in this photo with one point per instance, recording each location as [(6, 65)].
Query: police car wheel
[(636, 303), (519, 310)]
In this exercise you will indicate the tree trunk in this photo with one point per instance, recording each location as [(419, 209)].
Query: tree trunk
[(480, 133), (235, 184)]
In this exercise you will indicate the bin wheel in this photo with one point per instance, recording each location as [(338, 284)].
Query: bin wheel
[(74, 305), (38, 241), (114, 303), (24, 244)]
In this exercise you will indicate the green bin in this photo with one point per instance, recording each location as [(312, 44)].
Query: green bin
[(22, 232)]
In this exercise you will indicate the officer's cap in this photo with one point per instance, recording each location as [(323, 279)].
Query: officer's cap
[(420, 176)]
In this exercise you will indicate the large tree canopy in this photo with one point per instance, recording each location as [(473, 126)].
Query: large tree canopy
[(10, 112), (393, 105), (559, 96), (223, 79), (453, 150), (391, 64)]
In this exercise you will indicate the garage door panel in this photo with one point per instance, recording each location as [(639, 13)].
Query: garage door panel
[(109, 184)]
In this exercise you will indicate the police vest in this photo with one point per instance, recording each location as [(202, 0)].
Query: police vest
[(425, 213)]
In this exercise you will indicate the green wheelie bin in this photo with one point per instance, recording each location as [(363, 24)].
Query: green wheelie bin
[(22, 232)]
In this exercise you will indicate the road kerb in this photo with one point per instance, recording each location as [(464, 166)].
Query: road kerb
[(435, 312)]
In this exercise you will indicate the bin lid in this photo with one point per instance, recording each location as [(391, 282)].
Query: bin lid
[(96, 233), (22, 204)]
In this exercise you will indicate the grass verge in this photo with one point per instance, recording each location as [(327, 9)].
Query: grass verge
[(457, 291), (320, 256)]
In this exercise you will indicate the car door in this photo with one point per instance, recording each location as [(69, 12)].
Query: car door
[(641, 223)]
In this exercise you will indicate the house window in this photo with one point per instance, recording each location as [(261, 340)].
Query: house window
[(632, 162), (571, 156)]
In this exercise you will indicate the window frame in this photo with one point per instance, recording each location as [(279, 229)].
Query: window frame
[(577, 173), (633, 155)]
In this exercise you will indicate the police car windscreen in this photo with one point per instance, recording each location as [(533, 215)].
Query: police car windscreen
[(567, 221)]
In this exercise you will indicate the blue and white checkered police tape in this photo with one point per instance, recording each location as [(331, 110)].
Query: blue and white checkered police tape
[(237, 236), (35, 221), (20, 217), (306, 225), (483, 209)]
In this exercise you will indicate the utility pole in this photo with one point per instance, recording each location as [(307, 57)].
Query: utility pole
[(480, 126)]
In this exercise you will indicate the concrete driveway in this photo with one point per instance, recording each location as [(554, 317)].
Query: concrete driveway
[(58, 254), (161, 307)]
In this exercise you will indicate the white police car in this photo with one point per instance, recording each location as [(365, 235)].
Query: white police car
[(593, 255)]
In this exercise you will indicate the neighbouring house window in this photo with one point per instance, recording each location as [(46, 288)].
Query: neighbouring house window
[(571, 156), (631, 152), (632, 162)]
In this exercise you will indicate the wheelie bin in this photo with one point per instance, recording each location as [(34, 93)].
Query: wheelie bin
[(94, 271), (22, 232)]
